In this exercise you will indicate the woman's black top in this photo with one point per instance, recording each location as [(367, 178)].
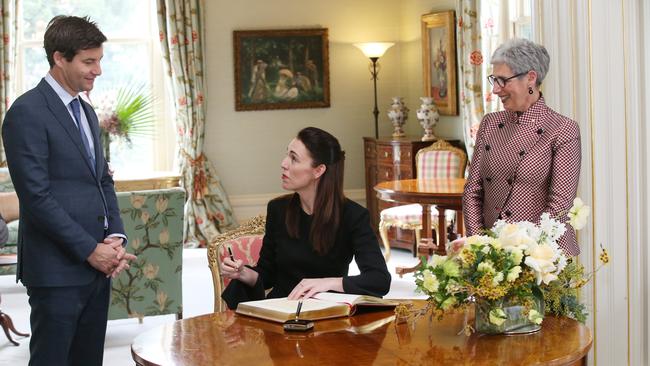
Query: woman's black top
[(285, 261)]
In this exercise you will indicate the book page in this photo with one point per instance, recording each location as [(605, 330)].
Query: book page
[(354, 299), (286, 306), (337, 297)]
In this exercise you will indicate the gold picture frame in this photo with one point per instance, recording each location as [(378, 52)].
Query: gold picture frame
[(439, 60), (281, 69)]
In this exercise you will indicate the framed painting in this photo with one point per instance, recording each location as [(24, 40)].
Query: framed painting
[(439, 60), (281, 69)]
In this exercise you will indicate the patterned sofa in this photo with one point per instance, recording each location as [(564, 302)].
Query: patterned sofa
[(153, 221)]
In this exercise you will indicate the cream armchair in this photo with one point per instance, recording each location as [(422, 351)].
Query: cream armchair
[(440, 160)]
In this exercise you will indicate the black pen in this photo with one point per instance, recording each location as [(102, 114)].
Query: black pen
[(298, 310), (232, 257)]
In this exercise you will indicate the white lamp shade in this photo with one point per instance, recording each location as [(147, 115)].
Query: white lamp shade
[(374, 49)]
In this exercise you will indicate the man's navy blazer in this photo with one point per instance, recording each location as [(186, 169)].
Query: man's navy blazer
[(61, 200)]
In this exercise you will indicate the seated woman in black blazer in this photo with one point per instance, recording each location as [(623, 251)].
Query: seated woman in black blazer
[(313, 234)]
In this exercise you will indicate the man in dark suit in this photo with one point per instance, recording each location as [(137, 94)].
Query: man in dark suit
[(71, 237)]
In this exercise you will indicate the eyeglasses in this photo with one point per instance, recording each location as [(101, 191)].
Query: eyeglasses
[(501, 81)]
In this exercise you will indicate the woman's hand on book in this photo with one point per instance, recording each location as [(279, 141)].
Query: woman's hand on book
[(309, 287)]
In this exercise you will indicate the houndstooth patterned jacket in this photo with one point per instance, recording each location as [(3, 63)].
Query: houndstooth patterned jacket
[(524, 165)]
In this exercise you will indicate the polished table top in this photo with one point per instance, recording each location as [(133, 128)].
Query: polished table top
[(431, 191), (364, 339)]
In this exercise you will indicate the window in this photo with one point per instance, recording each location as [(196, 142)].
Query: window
[(131, 57), (501, 20)]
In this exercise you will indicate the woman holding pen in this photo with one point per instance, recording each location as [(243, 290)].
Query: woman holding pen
[(312, 234)]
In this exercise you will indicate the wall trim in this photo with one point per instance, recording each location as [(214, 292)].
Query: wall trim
[(246, 206)]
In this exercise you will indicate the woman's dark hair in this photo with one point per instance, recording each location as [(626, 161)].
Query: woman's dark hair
[(69, 35), (324, 149)]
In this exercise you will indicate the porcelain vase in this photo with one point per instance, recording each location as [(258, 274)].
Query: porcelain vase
[(428, 116), (398, 114)]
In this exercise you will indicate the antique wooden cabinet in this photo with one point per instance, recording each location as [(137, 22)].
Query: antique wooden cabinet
[(388, 158)]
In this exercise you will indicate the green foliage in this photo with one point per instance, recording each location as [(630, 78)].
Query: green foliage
[(134, 110), (562, 297)]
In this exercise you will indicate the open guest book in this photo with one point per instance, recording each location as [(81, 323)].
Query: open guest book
[(324, 305)]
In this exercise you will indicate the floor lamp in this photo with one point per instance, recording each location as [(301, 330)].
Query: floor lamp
[(374, 50)]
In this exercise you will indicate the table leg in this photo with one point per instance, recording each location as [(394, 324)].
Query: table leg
[(442, 232), (426, 246), (8, 325), (460, 223)]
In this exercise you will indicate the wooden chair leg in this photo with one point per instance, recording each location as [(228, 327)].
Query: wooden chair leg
[(8, 325), (383, 233)]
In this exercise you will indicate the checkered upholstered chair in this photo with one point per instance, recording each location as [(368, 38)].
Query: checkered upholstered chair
[(245, 243), (440, 160)]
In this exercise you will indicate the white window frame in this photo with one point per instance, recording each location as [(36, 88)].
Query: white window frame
[(164, 143)]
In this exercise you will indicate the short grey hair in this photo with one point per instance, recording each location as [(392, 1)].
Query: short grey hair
[(522, 55)]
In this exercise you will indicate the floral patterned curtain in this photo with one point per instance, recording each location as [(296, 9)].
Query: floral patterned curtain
[(207, 211), (471, 73), (7, 61)]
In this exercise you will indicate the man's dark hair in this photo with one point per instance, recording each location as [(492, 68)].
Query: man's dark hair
[(69, 35)]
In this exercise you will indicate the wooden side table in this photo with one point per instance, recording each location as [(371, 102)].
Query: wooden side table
[(5, 320)]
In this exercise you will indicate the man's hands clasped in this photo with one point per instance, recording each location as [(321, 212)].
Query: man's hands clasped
[(110, 257)]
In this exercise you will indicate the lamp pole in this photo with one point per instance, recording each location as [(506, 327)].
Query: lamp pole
[(375, 111)]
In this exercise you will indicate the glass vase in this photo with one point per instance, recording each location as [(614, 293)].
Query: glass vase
[(516, 314), (106, 144)]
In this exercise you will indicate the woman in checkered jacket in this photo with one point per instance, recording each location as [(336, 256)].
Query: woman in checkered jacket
[(527, 158)]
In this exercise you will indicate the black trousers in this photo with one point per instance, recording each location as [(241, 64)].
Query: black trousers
[(69, 323)]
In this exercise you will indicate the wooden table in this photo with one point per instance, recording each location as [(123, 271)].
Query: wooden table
[(364, 339), (446, 194)]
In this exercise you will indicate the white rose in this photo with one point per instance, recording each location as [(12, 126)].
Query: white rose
[(512, 236), (541, 259)]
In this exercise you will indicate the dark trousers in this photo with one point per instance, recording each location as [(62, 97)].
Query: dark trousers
[(69, 323)]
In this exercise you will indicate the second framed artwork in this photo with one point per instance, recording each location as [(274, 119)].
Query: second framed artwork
[(439, 60), (281, 69)]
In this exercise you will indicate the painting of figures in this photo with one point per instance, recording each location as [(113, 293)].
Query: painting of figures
[(281, 69)]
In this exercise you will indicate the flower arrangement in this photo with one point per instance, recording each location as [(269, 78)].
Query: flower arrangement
[(515, 273), (129, 115)]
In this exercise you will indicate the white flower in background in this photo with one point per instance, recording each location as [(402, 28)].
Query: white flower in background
[(578, 214), (552, 228), (561, 263)]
